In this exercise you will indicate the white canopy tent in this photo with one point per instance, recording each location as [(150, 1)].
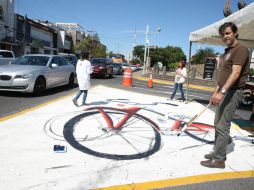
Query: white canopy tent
[(244, 20)]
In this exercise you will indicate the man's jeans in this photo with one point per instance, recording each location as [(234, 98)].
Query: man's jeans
[(79, 94), (222, 122), (180, 85)]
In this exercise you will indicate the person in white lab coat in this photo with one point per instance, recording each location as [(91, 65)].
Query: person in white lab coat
[(83, 70)]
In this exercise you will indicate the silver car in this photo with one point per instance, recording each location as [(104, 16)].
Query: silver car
[(34, 73)]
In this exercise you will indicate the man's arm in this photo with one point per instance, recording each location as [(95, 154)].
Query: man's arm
[(236, 71), (218, 95)]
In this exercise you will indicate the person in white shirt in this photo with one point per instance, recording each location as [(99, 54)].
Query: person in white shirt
[(83, 70), (179, 80)]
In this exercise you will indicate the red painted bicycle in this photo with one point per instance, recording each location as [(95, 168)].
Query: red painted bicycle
[(137, 135)]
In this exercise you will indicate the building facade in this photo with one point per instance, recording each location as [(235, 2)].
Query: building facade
[(33, 37), (23, 35), (7, 28)]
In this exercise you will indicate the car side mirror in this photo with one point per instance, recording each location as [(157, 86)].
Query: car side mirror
[(54, 65)]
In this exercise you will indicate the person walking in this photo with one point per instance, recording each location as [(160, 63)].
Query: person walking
[(83, 70), (229, 92), (179, 80)]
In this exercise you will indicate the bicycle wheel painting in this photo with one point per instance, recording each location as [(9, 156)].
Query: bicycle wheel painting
[(201, 132), (137, 138)]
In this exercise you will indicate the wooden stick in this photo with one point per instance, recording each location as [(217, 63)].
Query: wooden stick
[(193, 119)]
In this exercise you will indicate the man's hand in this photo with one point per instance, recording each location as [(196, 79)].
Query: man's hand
[(216, 98)]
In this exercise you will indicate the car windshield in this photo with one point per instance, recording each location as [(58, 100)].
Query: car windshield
[(98, 61), (32, 60)]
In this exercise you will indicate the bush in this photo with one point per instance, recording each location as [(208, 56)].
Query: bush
[(251, 71)]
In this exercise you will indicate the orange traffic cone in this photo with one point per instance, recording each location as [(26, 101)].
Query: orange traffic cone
[(127, 77), (150, 81)]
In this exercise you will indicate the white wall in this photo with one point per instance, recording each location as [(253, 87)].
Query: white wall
[(62, 42)]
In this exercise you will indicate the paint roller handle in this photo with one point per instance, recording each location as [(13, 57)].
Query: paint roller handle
[(193, 119)]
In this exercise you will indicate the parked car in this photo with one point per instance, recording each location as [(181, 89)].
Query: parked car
[(141, 67), (6, 57), (133, 68), (125, 65), (117, 68), (70, 57), (102, 67), (34, 73)]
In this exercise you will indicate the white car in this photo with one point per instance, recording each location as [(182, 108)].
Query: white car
[(35, 73), (133, 67), (125, 65), (6, 57)]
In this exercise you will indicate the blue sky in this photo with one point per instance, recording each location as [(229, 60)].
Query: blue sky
[(115, 20)]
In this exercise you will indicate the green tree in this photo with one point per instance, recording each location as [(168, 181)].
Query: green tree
[(95, 37), (168, 56), (138, 52), (99, 52), (135, 61), (199, 57), (110, 54), (87, 45), (84, 46)]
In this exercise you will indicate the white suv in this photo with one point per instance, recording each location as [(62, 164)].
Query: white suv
[(6, 57)]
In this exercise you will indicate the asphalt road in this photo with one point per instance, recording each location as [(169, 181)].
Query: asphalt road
[(13, 102)]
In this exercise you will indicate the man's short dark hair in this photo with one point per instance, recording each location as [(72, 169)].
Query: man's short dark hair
[(228, 24)]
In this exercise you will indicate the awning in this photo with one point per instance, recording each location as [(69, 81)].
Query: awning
[(244, 20)]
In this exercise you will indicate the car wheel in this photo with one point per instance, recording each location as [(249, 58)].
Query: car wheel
[(71, 81), (39, 85), (105, 75), (111, 74), (248, 98)]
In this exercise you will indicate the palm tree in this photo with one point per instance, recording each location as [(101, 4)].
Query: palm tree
[(227, 10), (241, 4)]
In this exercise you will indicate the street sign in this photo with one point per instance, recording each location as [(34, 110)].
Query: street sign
[(210, 65)]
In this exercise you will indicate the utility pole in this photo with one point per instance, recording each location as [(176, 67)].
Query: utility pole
[(146, 40), (147, 46), (134, 41)]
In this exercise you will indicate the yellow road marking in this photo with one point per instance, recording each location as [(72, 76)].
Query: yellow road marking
[(33, 108), (210, 89), (182, 181)]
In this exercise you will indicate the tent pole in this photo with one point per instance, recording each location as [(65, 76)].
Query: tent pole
[(188, 72)]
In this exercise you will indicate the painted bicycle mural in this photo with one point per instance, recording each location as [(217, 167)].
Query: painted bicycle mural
[(123, 130)]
